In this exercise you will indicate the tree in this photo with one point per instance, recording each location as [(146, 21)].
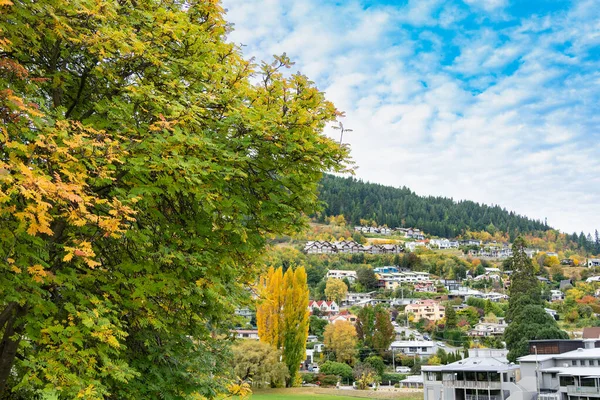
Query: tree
[(523, 282), (366, 277), (141, 172), (384, 333), (376, 363), (342, 370), (527, 318), (341, 339), (282, 315), (451, 318), (316, 325), (530, 322), (259, 363), (336, 290)]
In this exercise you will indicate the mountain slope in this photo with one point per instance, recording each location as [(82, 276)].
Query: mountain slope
[(400, 207)]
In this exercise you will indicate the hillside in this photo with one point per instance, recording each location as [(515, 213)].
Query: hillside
[(400, 207)]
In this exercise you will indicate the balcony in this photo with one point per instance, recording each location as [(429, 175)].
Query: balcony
[(482, 397), (588, 390), (549, 396), (473, 385)]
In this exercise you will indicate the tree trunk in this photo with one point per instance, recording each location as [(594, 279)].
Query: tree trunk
[(9, 344)]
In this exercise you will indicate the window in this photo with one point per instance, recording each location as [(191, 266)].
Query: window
[(566, 380)]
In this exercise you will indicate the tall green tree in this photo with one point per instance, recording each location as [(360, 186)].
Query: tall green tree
[(141, 171), (366, 277), (523, 282), (527, 317)]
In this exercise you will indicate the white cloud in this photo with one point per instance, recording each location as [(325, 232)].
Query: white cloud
[(512, 120)]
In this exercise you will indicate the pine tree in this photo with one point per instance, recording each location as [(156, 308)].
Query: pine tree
[(523, 282)]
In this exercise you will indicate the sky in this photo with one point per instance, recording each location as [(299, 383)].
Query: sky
[(495, 101)]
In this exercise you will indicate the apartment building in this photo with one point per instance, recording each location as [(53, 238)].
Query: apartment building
[(341, 274), (556, 370), (426, 309), (485, 375)]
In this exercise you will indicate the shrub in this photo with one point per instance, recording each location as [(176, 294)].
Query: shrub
[(336, 368), (308, 377), (327, 380), (392, 378)]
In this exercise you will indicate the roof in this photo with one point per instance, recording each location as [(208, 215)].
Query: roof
[(475, 364), (413, 379), (591, 333), (412, 343), (576, 371)]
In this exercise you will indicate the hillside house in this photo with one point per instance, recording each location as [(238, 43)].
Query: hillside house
[(246, 334), (341, 274), (425, 287), (426, 309), (593, 262), (326, 307), (354, 298)]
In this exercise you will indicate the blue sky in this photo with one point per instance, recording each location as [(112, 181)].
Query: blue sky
[(495, 101)]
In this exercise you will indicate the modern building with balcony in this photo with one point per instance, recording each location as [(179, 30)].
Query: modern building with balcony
[(485, 375), (566, 374)]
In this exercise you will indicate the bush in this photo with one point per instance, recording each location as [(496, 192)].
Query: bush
[(336, 368), (392, 378), (327, 380), (308, 377), (376, 363)]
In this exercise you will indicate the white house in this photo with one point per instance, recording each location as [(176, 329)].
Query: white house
[(326, 307), (421, 348), (485, 375), (246, 334), (557, 295), (593, 262), (341, 274)]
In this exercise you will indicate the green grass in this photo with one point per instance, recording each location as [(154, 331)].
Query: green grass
[(333, 394)]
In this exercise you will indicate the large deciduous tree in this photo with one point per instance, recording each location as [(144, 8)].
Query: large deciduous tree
[(141, 171), (282, 315), (259, 363), (336, 290), (341, 339)]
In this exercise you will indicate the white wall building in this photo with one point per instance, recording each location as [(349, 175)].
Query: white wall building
[(485, 375), (341, 274), (421, 348)]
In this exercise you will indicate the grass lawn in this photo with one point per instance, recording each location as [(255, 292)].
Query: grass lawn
[(333, 394)]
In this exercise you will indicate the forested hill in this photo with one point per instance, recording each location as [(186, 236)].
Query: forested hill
[(400, 207)]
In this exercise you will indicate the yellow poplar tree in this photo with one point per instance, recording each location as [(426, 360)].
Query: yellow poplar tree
[(282, 316)]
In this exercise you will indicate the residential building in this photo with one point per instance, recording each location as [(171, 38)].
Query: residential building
[(562, 370), (485, 375), (443, 243), (353, 298), (413, 245), (425, 287), (591, 333), (326, 307), (556, 295), (344, 316), (386, 270), (341, 274), (246, 334), (426, 309), (412, 382), (484, 329), (421, 348), (593, 262)]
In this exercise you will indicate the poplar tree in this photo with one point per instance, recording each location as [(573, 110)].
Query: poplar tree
[(282, 315)]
